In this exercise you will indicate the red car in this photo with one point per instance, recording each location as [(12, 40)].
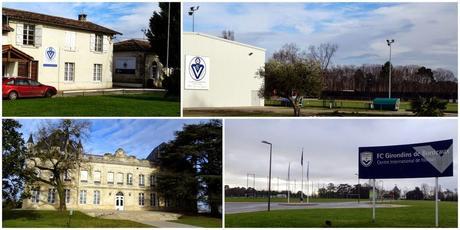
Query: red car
[(17, 87)]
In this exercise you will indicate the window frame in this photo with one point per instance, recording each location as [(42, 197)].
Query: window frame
[(141, 180), (98, 43), (35, 195), (129, 179), (28, 31), (97, 72), (51, 195), (97, 197), (82, 199), (67, 196), (81, 177), (141, 199), (94, 177), (108, 178), (69, 76)]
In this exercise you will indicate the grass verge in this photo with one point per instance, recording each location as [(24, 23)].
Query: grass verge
[(200, 221)]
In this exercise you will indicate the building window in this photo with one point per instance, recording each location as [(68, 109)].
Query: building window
[(98, 43), (97, 177), (141, 180), (84, 176), (119, 178), (110, 178), (153, 199), (69, 71), (67, 176), (35, 195), (97, 197), (28, 35), (51, 195), (67, 195), (141, 199), (153, 180), (83, 197), (129, 180), (97, 72)]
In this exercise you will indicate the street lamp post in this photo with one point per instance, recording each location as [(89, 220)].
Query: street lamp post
[(191, 12), (269, 173), (389, 42)]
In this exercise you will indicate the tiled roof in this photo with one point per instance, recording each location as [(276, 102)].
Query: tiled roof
[(132, 45), (55, 21)]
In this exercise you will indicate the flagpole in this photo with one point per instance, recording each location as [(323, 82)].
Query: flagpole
[(308, 181), (289, 184), (301, 186)]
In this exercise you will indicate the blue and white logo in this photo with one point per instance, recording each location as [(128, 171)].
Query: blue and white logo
[(197, 68), (366, 158), (50, 53)]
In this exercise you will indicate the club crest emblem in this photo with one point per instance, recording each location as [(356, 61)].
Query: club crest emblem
[(197, 68), (50, 53), (366, 158)]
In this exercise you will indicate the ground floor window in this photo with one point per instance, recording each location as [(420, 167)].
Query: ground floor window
[(35, 195), (51, 195), (97, 197), (69, 71), (153, 199), (83, 197), (67, 195), (97, 72), (141, 199)]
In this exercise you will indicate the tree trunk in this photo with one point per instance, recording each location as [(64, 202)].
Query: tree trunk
[(61, 194)]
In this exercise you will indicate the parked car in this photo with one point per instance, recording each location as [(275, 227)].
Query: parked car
[(18, 87)]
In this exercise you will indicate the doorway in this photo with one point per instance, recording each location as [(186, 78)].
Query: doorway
[(119, 201)]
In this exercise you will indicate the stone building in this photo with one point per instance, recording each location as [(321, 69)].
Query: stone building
[(135, 65), (111, 181)]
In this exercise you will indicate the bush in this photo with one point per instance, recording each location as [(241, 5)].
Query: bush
[(172, 84), (428, 107)]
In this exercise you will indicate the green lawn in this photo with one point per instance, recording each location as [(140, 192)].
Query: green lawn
[(200, 221), (147, 104), (292, 200), (55, 219), (418, 214)]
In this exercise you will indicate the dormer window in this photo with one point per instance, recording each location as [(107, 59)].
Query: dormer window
[(28, 36)]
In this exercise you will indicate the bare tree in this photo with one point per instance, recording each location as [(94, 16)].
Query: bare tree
[(323, 54), (228, 34), (58, 151), (288, 54)]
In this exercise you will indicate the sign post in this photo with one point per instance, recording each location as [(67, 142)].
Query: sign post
[(428, 159)]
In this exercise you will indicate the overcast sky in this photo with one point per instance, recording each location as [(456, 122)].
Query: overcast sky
[(425, 33), (330, 145), (127, 17), (137, 137)]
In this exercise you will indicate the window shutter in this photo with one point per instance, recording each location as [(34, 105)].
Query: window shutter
[(38, 36), (92, 42), (73, 36), (67, 41), (105, 44), (19, 33)]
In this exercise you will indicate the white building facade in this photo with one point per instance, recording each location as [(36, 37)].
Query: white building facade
[(65, 53), (219, 72)]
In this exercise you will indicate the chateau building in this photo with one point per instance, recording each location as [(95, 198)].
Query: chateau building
[(61, 52), (111, 181)]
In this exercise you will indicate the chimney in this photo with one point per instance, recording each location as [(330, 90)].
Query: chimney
[(82, 17)]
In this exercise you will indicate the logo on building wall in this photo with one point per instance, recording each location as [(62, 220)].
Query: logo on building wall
[(198, 68), (197, 76), (50, 57), (366, 158)]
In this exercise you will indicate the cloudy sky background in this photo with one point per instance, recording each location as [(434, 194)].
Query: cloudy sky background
[(137, 137), (330, 145), (425, 33), (128, 17)]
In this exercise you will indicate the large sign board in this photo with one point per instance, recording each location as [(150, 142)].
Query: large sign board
[(429, 159), (197, 72), (125, 65), (50, 57)]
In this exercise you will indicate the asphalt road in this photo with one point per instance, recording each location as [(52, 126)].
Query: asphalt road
[(241, 207)]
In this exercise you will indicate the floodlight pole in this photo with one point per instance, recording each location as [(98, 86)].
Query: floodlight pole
[(269, 174), (359, 188), (289, 182), (389, 42), (167, 40), (436, 203), (373, 200), (301, 185)]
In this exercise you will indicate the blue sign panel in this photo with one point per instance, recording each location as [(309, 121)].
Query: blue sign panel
[(429, 159)]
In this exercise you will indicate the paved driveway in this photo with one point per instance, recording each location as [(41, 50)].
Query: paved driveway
[(153, 218), (241, 207)]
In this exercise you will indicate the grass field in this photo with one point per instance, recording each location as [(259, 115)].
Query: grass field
[(200, 221), (276, 199), (417, 214), (55, 219), (148, 104)]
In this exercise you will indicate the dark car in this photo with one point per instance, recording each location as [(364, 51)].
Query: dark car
[(19, 87)]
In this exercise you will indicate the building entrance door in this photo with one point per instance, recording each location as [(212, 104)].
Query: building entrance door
[(119, 201)]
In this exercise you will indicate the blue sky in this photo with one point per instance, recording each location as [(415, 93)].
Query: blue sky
[(137, 137), (425, 33), (128, 17)]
